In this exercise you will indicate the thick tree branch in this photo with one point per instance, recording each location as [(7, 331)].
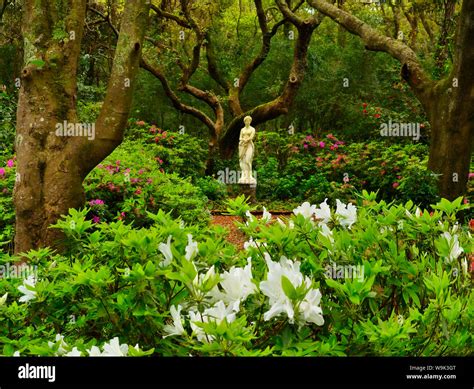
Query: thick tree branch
[(412, 70), (174, 98), (167, 15), (113, 116), (282, 103)]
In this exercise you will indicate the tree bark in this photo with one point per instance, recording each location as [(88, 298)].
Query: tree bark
[(51, 168)]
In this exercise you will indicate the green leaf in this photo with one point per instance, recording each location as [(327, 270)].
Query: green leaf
[(288, 288)]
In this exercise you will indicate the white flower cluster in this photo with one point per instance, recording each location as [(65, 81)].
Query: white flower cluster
[(236, 285), (113, 348), (345, 215), (308, 310)]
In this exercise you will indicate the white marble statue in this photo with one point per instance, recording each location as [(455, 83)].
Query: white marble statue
[(246, 151)]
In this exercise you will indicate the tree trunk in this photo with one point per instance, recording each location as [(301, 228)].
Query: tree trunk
[(51, 166)]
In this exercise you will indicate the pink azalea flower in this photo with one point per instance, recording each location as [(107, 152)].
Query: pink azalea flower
[(395, 185), (305, 146), (322, 144), (96, 219), (2, 171), (96, 202), (471, 176), (10, 163)]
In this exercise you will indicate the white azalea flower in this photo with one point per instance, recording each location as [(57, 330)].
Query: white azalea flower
[(28, 289), (272, 287), (73, 353), (191, 248), (220, 312), (455, 250), (323, 214), (177, 327), (267, 216), (249, 215), (237, 285), (326, 231), (347, 214), (305, 209), (197, 317), (62, 344), (165, 249), (217, 313), (3, 299), (94, 352), (115, 349), (309, 310)]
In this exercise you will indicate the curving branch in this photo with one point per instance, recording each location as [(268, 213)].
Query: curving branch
[(412, 71)]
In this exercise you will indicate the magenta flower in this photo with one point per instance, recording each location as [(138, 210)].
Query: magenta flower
[(10, 163), (2, 171), (96, 202), (140, 171), (322, 144), (471, 176), (305, 145), (96, 219)]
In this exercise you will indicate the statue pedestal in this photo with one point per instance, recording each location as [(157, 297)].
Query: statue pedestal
[(250, 191)]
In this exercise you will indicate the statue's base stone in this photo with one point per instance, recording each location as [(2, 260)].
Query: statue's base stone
[(250, 191)]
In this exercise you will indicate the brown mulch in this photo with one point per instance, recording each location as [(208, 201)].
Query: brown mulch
[(235, 236)]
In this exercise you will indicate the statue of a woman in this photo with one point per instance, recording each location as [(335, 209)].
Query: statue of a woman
[(246, 151)]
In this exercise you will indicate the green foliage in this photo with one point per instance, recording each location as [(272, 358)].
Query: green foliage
[(408, 297), (132, 182)]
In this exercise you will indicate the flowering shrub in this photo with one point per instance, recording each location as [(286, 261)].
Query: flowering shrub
[(307, 167), (129, 184), (173, 289)]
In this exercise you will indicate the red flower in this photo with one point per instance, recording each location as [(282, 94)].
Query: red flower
[(395, 185), (377, 115), (364, 105), (471, 224), (364, 112)]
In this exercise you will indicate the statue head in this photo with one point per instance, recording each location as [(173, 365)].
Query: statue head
[(248, 120)]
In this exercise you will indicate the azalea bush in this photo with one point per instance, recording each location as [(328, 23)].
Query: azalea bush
[(309, 167), (132, 182), (176, 289)]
